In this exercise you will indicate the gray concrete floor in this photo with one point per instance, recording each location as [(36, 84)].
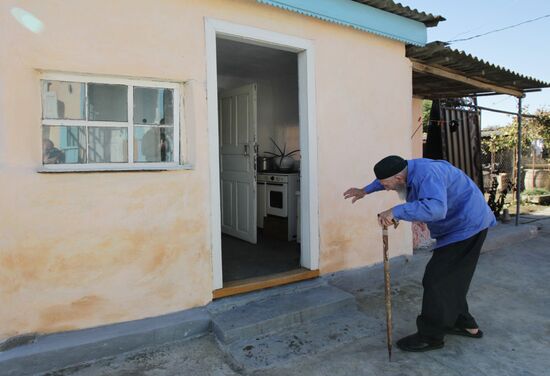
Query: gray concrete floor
[(241, 260), (509, 298)]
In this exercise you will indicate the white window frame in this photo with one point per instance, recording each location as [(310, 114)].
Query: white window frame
[(179, 133)]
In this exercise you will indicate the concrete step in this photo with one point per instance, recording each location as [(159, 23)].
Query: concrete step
[(60, 350), (313, 337), (504, 234), (277, 312), (231, 302)]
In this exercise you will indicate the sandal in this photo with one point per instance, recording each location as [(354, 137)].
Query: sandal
[(463, 332)]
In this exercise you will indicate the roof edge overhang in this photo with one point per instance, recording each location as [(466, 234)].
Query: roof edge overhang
[(359, 16), (449, 74), (442, 72), (391, 6)]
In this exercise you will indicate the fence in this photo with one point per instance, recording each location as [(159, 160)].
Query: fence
[(505, 161)]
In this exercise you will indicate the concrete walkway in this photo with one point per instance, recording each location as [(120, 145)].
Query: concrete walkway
[(509, 298)]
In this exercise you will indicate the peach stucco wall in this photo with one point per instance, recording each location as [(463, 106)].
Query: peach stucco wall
[(364, 92), (86, 249)]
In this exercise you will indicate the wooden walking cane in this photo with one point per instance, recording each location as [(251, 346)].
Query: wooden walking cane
[(387, 287)]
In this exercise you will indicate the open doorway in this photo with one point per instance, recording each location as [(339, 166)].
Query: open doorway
[(258, 113), (308, 203)]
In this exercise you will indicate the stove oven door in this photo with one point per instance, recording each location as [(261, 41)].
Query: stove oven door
[(276, 199)]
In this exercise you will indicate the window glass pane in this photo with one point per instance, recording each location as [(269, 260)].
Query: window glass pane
[(107, 102), (153, 144), (63, 144), (153, 106), (63, 100), (107, 144)]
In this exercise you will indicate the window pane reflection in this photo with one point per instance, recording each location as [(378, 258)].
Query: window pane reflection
[(153, 106), (107, 145), (63, 100), (153, 144), (63, 144), (107, 102)]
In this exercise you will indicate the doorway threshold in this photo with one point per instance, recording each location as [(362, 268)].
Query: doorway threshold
[(257, 283)]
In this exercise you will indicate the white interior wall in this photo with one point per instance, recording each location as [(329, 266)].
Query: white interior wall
[(277, 99), (277, 109)]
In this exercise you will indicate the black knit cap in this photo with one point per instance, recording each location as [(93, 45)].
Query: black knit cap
[(389, 166)]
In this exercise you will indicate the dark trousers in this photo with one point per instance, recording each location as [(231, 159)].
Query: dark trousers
[(446, 282)]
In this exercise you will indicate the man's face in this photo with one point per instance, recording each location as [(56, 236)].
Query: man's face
[(394, 183)]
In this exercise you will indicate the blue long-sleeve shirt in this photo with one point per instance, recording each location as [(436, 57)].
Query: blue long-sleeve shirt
[(443, 197)]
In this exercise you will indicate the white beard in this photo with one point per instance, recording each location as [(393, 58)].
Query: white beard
[(402, 193)]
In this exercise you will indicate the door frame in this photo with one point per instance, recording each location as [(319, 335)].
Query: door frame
[(309, 209)]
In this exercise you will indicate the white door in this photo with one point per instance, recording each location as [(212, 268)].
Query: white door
[(237, 129)]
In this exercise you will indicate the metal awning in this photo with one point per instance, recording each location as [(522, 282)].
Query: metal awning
[(442, 72)]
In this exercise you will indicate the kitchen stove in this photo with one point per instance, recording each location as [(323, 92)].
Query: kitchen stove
[(277, 197)]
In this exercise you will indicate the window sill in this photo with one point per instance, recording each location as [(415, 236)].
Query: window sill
[(117, 168)]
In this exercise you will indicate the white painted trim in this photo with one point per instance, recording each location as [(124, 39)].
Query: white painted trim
[(106, 167), (178, 124), (259, 37), (214, 154), (94, 123), (130, 101), (120, 80), (309, 222), (80, 123), (308, 135)]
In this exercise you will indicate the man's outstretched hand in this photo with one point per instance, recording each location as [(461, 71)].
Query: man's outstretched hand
[(355, 194)]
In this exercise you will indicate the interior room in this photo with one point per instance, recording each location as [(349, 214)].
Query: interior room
[(259, 160)]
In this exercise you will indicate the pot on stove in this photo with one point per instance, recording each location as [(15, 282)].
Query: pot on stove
[(265, 164)]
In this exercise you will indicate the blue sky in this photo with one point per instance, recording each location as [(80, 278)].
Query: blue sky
[(524, 49)]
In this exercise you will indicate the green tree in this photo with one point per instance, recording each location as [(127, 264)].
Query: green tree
[(506, 138), (426, 108), (540, 125), (532, 129)]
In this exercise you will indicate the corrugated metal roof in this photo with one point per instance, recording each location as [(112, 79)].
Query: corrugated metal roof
[(427, 19), (439, 55)]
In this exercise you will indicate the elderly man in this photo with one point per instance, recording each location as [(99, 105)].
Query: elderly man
[(458, 217)]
